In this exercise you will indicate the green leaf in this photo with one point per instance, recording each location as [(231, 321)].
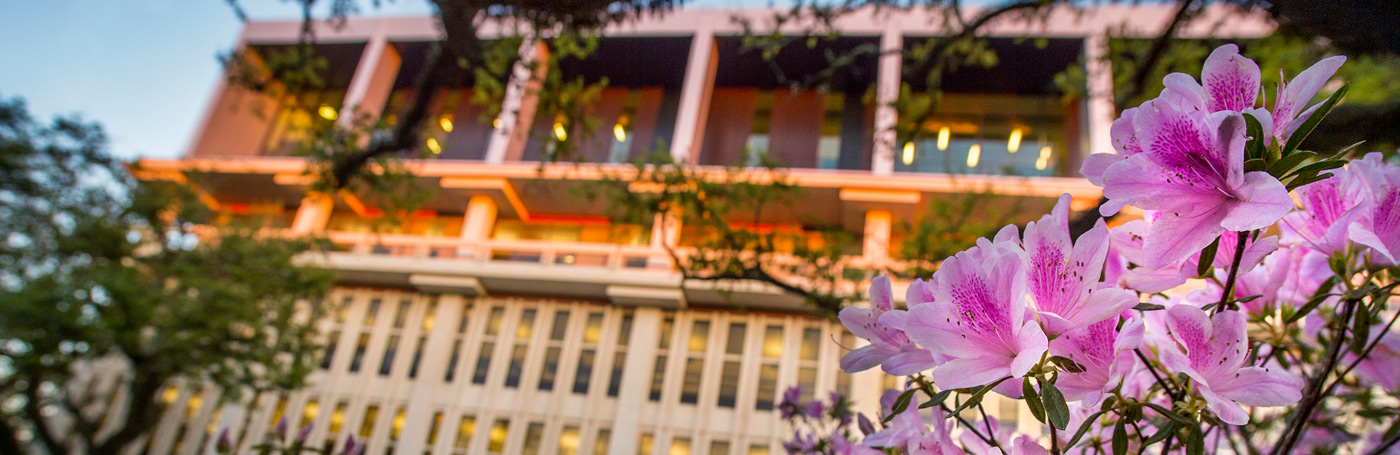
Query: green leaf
[(1254, 149), (1307, 127), (1281, 167), (1360, 329), (938, 399), (1317, 299), (1208, 257), (977, 396), (1148, 307), (1033, 400), (900, 404), (1161, 434), (1344, 151), (1320, 166), (1196, 442), (1169, 414), (1120, 438), (1255, 164), (1055, 407), (1084, 428)]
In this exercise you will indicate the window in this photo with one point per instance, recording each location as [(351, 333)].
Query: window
[(309, 413), (622, 131), (336, 425), (278, 412), (493, 330), (600, 443), (367, 424), (729, 371), (843, 379), (371, 312), (718, 447), (680, 446), (758, 449), (645, 443), (192, 405), (457, 344), (829, 146), (387, 364), (758, 136), (658, 374), (395, 429), (807, 361), (361, 344), (768, 368), (497, 444), (550, 370), (568, 440), (695, 362), (624, 335), (433, 433), (424, 330), (533, 434), (523, 331), (592, 334), (402, 313), (330, 349), (465, 429)]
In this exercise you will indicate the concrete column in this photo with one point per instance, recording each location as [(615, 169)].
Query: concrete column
[(877, 235), (312, 214), (886, 93), (518, 109), (373, 80), (696, 92), (479, 219), (421, 404), (1100, 87), (636, 380)]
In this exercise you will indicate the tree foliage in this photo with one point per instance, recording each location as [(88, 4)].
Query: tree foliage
[(102, 274)]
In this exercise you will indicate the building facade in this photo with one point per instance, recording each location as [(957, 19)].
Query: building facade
[(510, 316)]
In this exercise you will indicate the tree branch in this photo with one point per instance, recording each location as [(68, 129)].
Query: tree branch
[(1313, 393), (1154, 54)]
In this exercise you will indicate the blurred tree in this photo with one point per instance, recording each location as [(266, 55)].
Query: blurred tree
[(105, 278)]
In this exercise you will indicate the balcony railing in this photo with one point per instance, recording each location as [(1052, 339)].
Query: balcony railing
[(561, 254)]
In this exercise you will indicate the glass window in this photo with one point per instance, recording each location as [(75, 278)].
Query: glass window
[(396, 427), (568, 440), (464, 433), (452, 361), (735, 344), (331, 342), (600, 443), (497, 444), (433, 432), (624, 334), (758, 449), (718, 447), (561, 324), (680, 446), (533, 434), (517, 365), (767, 387), (483, 363), (360, 345), (493, 324), (699, 335), (309, 412), (343, 309), (645, 443), (371, 312), (367, 424), (402, 313), (337, 418), (593, 332), (417, 357), (758, 135), (729, 384), (690, 384), (387, 365), (658, 374), (551, 367), (584, 373)]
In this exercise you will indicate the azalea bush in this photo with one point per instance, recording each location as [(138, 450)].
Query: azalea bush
[(1289, 347)]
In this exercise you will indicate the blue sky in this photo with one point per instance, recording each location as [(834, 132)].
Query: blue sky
[(144, 69)]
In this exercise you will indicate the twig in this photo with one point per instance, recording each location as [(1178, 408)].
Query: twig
[(1229, 289), (1159, 379), (1313, 393), (1361, 357)]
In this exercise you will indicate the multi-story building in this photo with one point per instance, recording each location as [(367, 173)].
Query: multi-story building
[(508, 315)]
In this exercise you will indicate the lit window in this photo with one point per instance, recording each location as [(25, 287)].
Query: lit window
[(600, 443), (568, 440), (465, 429), (680, 446), (550, 370), (719, 447), (768, 368), (658, 373), (309, 412), (645, 443), (371, 313), (497, 444), (523, 331), (367, 424), (433, 432), (620, 356), (695, 362), (533, 434), (758, 449)]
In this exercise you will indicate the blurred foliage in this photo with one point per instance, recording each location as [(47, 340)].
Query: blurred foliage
[(101, 271)]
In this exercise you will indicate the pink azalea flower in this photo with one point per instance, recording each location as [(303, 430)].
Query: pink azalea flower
[(978, 318), (889, 347), (1063, 277), (907, 430), (1104, 351), (841, 446), (1288, 112), (1191, 169), (1229, 82), (1129, 239), (1124, 140), (1379, 229), (1214, 358), (1382, 366), (1329, 208)]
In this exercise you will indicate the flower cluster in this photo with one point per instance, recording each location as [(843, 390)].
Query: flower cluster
[(1293, 310)]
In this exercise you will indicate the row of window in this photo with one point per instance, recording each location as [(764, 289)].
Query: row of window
[(735, 345)]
